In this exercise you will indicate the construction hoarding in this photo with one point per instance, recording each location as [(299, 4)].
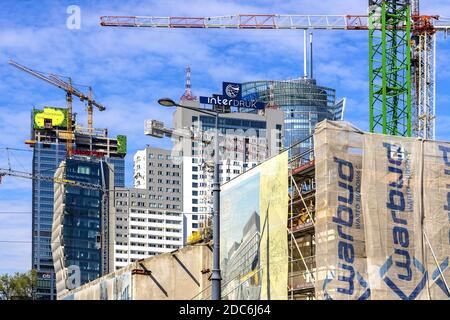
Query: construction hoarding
[(404, 197), (341, 272), (49, 116), (108, 288), (178, 275), (254, 249), (391, 200), (436, 206)]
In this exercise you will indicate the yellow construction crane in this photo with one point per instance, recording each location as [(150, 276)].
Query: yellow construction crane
[(70, 91), (27, 175)]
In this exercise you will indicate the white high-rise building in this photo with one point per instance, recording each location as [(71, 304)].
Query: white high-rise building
[(246, 140), (149, 217)]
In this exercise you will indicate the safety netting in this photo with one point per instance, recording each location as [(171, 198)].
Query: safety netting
[(383, 215)]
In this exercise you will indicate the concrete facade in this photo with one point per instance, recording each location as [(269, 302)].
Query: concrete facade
[(179, 275), (155, 170)]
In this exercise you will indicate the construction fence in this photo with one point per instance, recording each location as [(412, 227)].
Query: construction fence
[(382, 227)]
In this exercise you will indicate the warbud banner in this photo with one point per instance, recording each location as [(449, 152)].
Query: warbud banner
[(383, 215), (340, 241), (391, 203), (436, 225)]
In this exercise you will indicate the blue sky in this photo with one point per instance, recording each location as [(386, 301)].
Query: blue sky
[(130, 68)]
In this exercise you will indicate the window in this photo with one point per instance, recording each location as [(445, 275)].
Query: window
[(194, 217), (84, 170), (194, 185), (160, 157), (195, 193), (194, 209), (194, 177)]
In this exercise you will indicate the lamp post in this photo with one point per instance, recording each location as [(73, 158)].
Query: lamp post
[(216, 278)]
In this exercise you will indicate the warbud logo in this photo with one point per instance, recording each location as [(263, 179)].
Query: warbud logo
[(398, 270), (74, 20), (365, 295), (396, 287), (438, 274), (348, 282)]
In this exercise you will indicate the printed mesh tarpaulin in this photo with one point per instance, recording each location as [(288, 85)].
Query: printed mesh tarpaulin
[(391, 197), (253, 238), (436, 207), (340, 247), (402, 246)]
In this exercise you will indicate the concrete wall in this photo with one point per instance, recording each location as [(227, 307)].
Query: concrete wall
[(181, 274)]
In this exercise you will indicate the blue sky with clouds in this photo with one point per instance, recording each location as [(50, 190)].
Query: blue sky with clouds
[(130, 68)]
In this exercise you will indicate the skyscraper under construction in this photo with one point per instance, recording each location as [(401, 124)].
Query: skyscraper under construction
[(48, 139)]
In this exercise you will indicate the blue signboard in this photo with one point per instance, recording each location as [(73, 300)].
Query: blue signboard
[(232, 97)]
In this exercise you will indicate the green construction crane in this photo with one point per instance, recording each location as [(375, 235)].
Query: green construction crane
[(390, 67)]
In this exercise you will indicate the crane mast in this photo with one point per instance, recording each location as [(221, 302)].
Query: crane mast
[(31, 176), (402, 85), (390, 67)]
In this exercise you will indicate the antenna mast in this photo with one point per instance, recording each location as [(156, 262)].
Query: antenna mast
[(187, 91)]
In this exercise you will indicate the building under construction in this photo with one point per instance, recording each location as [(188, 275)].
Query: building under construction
[(49, 135), (301, 234)]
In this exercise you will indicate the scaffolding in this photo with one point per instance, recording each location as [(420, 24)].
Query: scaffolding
[(301, 232)]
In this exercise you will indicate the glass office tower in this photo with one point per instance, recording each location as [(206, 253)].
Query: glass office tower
[(46, 158), (81, 219), (304, 104), (81, 236)]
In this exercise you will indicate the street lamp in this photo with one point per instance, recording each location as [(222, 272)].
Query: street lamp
[(216, 278)]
